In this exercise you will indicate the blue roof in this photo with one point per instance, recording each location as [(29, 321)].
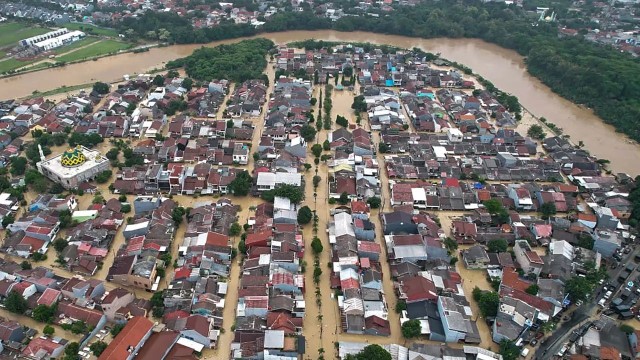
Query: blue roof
[(388, 82)]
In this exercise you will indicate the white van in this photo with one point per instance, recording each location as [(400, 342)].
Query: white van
[(608, 294), (601, 302), (524, 352)]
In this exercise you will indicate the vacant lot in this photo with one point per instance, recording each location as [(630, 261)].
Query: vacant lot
[(77, 44), (12, 32), (92, 29), (99, 48), (12, 64)]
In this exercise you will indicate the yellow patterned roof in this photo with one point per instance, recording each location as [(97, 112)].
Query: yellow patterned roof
[(73, 157)]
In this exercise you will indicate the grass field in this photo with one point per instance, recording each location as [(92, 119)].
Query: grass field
[(74, 45), (92, 29), (12, 32), (12, 64), (99, 48)]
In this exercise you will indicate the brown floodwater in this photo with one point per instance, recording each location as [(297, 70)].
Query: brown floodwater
[(503, 67)]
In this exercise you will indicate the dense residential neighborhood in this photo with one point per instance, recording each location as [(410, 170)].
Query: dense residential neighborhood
[(353, 195)]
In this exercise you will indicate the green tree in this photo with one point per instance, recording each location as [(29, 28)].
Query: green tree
[(304, 215), (115, 330), (411, 329), (342, 121), (326, 145), (316, 150), (59, 138), (316, 245), (359, 104), (488, 301), (158, 80), (401, 305), (344, 198), (71, 351), (509, 350), (241, 185), (60, 244), (548, 209), (112, 154), (44, 313), (578, 288), (493, 206), (187, 83), (497, 245), (79, 327), (177, 214), (308, 133), (125, 208), (48, 330), (291, 192), (101, 88), (371, 352), (532, 289), (450, 244), (536, 132), (98, 347), (374, 202), (103, 177), (18, 165), (235, 229), (25, 265), (8, 220), (15, 303)]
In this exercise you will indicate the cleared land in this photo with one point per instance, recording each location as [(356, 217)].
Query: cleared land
[(12, 64), (12, 32), (77, 44), (97, 49), (92, 29)]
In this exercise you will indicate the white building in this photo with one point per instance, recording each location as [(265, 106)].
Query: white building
[(73, 167), (52, 39)]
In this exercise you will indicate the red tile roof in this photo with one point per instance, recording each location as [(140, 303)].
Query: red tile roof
[(418, 288), (217, 239), (48, 297), (40, 345), (259, 238), (511, 279), (132, 335)]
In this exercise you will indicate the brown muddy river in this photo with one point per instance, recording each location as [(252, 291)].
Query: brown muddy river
[(503, 67)]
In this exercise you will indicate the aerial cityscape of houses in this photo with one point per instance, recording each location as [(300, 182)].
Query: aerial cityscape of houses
[(178, 228)]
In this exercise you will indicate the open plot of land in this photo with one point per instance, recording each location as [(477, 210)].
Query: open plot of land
[(12, 32), (97, 49), (12, 64), (75, 45), (92, 29)]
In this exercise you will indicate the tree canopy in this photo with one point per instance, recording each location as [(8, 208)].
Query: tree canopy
[(291, 192), (497, 245), (237, 62), (241, 185), (411, 329), (488, 301), (371, 352), (304, 215)]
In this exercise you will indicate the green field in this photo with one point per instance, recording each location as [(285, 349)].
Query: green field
[(97, 49), (12, 32), (12, 64), (92, 29), (77, 44)]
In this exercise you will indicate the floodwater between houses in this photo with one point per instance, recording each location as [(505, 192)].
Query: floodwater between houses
[(503, 67)]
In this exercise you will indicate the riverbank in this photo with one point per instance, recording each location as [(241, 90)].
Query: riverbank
[(504, 68)]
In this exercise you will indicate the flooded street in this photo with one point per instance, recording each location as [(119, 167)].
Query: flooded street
[(503, 67)]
